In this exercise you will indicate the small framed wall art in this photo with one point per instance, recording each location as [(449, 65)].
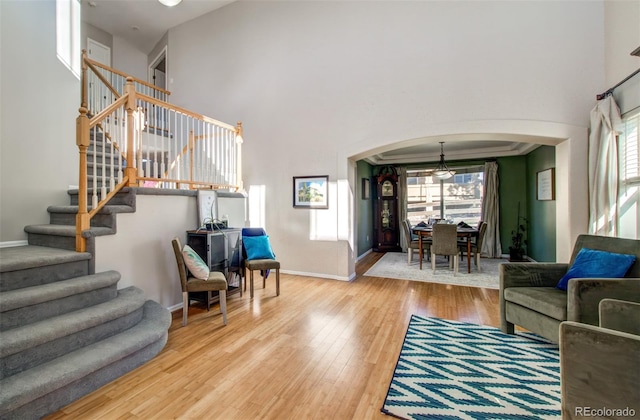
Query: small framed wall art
[(311, 192), (546, 185)]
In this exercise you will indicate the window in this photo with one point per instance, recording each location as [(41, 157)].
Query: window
[(629, 185), (68, 34), (458, 198), (630, 168)]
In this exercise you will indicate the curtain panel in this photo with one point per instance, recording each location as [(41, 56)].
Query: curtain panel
[(604, 167), (491, 247)]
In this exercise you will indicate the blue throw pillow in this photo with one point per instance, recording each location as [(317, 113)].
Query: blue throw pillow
[(590, 263), (258, 248)]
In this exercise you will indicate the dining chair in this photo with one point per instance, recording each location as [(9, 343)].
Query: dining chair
[(445, 242), (195, 277), (410, 241), (476, 244), (258, 255)]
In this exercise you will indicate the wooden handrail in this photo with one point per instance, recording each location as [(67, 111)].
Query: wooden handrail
[(184, 111), (102, 78), (97, 119), (125, 75)]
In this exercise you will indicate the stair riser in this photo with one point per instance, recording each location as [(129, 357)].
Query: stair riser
[(53, 241), (99, 170), (66, 394), (121, 198), (42, 275), (39, 312), (102, 220), (100, 157), (46, 352)]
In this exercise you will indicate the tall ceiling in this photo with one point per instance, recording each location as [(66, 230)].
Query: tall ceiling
[(142, 23)]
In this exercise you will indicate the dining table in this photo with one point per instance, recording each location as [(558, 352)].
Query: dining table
[(463, 232)]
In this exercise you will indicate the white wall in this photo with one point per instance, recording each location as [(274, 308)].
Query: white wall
[(39, 103), (622, 21), (141, 250), (318, 82), (129, 59)]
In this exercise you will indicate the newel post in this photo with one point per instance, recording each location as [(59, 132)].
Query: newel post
[(130, 171), (82, 141), (239, 141)]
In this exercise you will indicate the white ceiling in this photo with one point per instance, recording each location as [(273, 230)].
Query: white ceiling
[(143, 23), (152, 19)]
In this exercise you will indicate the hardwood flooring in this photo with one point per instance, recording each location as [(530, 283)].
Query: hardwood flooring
[(323, 349)]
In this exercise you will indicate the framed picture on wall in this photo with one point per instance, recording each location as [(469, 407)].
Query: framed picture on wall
[(546, 185), (366, 188), (311, 192)]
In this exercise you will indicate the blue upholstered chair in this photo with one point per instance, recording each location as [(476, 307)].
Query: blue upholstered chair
[(258, 255)]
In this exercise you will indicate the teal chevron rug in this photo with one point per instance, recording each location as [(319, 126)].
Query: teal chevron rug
[(454, 370)]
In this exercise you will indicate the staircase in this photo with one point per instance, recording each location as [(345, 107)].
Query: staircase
[(65, 330)]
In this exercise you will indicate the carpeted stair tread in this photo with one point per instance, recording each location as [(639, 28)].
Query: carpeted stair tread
[(30, 296), (108, 209), (32, 335), (66, 230), (30, 256), (19, 390)]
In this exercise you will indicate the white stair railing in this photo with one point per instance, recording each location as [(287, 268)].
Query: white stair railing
[(137, 139)]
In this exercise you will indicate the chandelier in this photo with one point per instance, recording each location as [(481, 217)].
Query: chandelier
[(442, 171)]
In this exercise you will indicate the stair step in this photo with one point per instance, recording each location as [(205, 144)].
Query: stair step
[(66, 215), (26, 266), (61, 236), (27, 346), (32, 304), (126, 196), (50, 386)]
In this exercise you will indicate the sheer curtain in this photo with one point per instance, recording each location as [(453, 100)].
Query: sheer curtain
[(402, 204), (603, 167), (491, 247)]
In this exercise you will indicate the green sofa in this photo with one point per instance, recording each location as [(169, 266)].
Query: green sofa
[(600, 366), (529, 297)]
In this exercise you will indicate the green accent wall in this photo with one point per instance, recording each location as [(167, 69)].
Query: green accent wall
[(542, 214), (518, 185), (512, 174), (364, 209)]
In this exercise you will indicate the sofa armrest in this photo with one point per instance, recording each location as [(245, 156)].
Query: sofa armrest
[(531, 274), (599, 368), (620, 315), (584, 296)]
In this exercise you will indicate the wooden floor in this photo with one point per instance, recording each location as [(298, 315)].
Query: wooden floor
[(323, 349)]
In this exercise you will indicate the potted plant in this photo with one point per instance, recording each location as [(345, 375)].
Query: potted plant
[(516, 250), (518, 241)]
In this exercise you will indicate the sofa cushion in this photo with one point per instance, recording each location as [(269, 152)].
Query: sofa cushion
[(546, 300), (591, 263)]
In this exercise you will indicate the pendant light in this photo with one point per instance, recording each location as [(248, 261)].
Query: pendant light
[(442, 171), (170, 3)]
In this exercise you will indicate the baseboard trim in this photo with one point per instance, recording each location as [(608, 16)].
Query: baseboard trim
[(324, 276), (528, 258), (364, 255), (11, 244)]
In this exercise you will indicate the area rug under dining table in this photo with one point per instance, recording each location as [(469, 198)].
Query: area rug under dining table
[(394, 265), (456, 370)]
